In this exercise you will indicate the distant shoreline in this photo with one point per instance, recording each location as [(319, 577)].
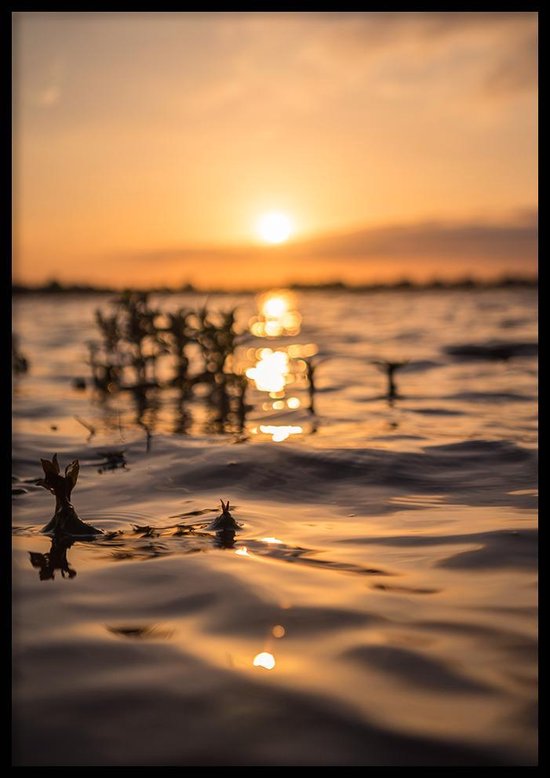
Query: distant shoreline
[(505, 282)]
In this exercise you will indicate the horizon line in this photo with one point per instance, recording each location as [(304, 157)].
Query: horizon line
[(504, 280)]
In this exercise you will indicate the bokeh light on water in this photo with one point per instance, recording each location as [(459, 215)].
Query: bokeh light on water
[(265, 660), (441, 398), (271, 371), (280, 432), (277, 315)]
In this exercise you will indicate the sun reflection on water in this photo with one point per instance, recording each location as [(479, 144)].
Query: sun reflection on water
[(265, 660), (271, 372), (280, 432), (277, 316), (282, 370), (275, 307)]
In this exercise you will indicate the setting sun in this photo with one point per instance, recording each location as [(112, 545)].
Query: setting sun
[(274, 227)]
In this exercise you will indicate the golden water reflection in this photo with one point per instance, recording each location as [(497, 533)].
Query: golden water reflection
[(277, 315), (282, 372), (271, 373), (265, 660), (280, 432)]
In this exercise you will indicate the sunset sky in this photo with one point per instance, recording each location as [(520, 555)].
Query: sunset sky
[(147, 146)]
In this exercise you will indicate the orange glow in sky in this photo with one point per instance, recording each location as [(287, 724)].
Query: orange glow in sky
[(254, 149)]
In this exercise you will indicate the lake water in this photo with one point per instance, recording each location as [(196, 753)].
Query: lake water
[(378, 605)]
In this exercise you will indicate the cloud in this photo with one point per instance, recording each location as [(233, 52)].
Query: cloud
[(517, 68), (302, 61), (420, 250), (492, 242), (192, 66)]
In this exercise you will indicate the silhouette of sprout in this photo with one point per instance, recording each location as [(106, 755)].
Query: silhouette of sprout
[(390, 368), (312, 363), (65, 519), (225, 520)]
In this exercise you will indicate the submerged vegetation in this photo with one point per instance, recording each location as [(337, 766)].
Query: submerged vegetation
[(144, 350)]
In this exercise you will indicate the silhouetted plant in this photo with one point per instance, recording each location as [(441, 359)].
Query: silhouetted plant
[(225, 520), (216, 340), (136, 335), (390, 368), (310, 373), (106, 372), (142, 338), (65, 519), (312, 364), (179, 336), (110, 329)]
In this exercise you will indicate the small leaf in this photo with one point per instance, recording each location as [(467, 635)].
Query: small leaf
[(49, 468), (71, 472)]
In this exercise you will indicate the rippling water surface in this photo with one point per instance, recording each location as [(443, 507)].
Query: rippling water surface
[(377, 605)]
